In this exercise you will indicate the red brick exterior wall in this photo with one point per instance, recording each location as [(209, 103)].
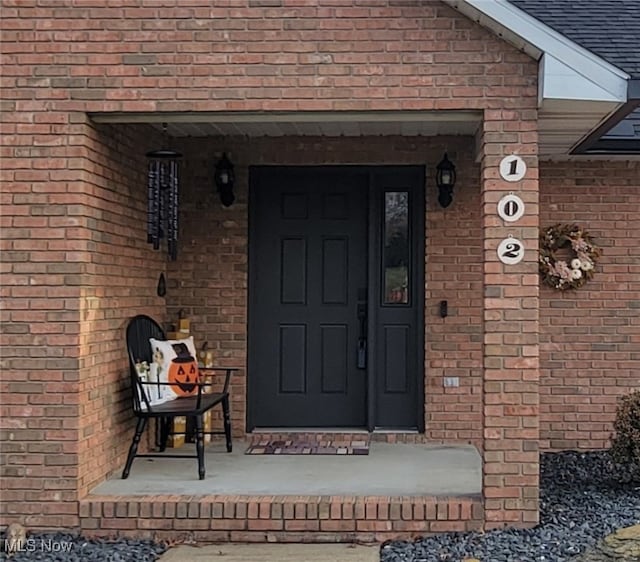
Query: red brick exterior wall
[(590, 338), (511, 349), (76, 255), (41, 233), (120, 281), (453, 272), (252, 55), (76, 268)]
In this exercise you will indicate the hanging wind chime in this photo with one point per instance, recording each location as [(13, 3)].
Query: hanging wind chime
[(162, 191)]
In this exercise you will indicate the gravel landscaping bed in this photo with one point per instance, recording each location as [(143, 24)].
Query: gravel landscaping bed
[(583, 498)]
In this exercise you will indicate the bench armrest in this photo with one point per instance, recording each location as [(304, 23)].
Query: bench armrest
[(211, 371), (204, 373)]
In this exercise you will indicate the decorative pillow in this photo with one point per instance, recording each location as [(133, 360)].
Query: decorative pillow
[(177, 363)]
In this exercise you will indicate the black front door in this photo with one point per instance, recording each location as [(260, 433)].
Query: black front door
[(309, 262), (336, 297)]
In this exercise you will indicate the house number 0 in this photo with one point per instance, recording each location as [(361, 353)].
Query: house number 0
[(511, 251), (510, 208)]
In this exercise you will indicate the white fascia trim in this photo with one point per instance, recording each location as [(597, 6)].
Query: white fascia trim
[(609, 82), (556, 80)]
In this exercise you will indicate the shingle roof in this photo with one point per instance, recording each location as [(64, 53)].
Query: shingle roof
[(608, 28), (628, 128)]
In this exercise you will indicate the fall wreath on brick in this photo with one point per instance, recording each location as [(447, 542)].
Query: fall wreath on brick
[(571, 273)]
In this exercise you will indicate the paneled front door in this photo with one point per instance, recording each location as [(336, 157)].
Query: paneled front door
[(309, 249), (333, 299)]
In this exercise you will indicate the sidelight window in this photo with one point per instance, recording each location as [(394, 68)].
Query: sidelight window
[(396, 257)]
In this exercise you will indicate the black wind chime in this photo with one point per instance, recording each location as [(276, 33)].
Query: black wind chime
[(162, 189)]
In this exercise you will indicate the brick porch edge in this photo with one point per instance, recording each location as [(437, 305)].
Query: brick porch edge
[(278, 518)]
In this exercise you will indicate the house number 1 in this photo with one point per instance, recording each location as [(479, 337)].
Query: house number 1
[(512, 168)]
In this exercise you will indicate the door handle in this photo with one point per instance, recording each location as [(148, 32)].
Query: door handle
[(361, 361), (361, 352)]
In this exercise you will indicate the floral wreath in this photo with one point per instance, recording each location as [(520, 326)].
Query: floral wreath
[(558, 273)]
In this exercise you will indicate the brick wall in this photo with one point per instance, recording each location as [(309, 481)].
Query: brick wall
[(453, 272), (253, 55), (209, 279), (62, 61), (511, 325), (76, 265), (42, 234), (74, 270), (121, 280), (590, 338)]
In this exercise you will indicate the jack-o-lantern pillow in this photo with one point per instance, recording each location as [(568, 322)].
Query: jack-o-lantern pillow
[(177, 364)]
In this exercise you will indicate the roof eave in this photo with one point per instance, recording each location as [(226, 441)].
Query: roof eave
[(594, 143), (567, 71), (537, 39)]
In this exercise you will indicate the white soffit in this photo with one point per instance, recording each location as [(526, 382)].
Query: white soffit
[(330, 124), (319, 129), (567, 70), (563, 123)]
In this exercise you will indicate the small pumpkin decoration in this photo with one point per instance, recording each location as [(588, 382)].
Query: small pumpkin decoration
[(183, 371)]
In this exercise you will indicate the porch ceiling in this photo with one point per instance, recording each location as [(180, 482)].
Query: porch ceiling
[(331, 124)]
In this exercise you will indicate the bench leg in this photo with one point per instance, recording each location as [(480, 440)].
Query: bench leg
[(227, 423), (165, 428), (158, 433), (142, 422), (200, 446)]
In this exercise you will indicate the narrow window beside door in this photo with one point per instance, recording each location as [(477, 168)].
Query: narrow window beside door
[(397, 255)]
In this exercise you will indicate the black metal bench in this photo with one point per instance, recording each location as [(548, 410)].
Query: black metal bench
[(139, 330)]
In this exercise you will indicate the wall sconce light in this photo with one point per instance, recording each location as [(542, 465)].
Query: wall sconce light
[(225, 179), (445, 180)]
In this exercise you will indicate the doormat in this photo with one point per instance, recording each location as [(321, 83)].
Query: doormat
[(321, 447)]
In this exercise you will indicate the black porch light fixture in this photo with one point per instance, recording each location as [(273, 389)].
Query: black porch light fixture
[(225, 178), (445, 180)]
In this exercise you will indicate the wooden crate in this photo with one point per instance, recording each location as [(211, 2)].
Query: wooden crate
[(179, 424)]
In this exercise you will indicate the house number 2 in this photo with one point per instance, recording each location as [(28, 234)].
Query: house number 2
[(510, 251)]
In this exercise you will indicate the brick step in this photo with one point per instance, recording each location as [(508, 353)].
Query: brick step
[(278, 518)]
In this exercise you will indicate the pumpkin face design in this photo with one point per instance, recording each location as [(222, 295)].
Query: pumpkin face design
[(183, 371)]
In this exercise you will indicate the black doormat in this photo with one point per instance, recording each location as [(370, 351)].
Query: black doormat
[(304, 447)]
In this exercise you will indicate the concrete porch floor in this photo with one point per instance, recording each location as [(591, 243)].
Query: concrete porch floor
[(390, 469)]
